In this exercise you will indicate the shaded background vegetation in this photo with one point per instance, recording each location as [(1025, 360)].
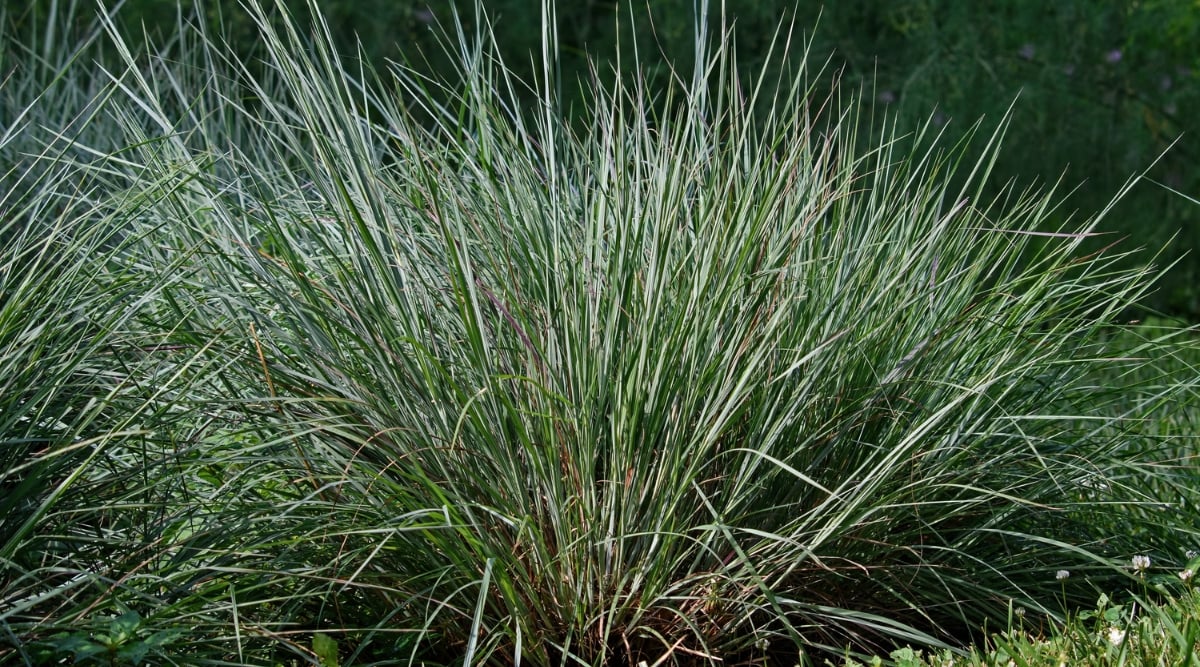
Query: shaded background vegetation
[(1102, 88)]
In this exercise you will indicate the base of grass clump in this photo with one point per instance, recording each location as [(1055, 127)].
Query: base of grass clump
[(718, 374)]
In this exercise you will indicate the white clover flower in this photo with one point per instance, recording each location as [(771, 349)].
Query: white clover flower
[(1094, 482), (1187, 575), (1020, 612), (1116, 636), (1062, 574), (1141, 564)]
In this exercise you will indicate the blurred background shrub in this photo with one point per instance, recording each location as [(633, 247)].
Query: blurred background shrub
[(1102, 88)]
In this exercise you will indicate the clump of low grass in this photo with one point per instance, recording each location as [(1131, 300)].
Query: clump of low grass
[(82, 478), (1136, 631), (455, 381)]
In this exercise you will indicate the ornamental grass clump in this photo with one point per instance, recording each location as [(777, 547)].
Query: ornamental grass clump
[(715, 372), (80, 474)]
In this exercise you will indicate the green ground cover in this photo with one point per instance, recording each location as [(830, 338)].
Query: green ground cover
[(308, 363)]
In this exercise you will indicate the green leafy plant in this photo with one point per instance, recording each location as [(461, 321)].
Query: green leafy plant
[(124, 642), (326, 648)]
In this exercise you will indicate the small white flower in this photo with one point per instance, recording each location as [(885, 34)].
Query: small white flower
[(1190, 554), (1062, 574), (1187, 575), (1020, 612), (1141, 564), (1116, 636)]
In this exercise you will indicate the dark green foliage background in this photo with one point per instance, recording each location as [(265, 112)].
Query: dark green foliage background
[(1102, 88)]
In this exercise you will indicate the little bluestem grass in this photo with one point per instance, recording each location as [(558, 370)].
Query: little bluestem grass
[(724, 372)]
